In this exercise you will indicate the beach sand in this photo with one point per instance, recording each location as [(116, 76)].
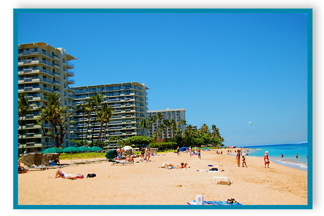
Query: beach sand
[(147, 184)]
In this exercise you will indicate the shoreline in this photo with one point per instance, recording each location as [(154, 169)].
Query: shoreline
[(124, 185)]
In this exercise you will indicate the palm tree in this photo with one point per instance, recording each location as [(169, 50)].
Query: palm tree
[(97, 102), (89, 107), (23, 107), (143, 125), (83, 109), (183, 123), (160, 129), (151, 121), (173, 125), (104, 114), (57, 116), (167, 124)]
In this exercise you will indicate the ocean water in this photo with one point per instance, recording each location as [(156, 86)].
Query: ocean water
[(289, 152)]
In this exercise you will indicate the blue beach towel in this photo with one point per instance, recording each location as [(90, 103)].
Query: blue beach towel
[(193, 202)]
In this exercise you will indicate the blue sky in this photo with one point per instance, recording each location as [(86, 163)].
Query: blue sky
[(224, 69)]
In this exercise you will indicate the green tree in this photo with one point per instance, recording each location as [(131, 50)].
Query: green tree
[(98, 99), (57, 116), (143, 125), (89, 107), (82, 108), (23, 108), (103, 115), (151, 122)]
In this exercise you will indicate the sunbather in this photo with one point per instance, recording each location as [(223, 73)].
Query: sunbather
[(61, 174), (184, 165)]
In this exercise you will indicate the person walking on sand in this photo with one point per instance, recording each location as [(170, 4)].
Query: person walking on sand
[(243, 162), (190, 152), (238, 157), (266, 160), (297, 156), (178, 150), (199, 153)]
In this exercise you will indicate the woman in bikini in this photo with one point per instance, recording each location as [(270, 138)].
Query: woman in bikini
[(61, 174)]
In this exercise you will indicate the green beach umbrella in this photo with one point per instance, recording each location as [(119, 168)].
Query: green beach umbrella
[(83, 149), (70, 149), (95, 149), (52, 150)]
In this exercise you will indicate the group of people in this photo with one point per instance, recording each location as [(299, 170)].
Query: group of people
[(115, 154), (146, 153), (238, 159), (239, 155)]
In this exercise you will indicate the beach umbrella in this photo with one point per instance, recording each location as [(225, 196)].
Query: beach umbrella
[(83, 149), (95, 149), (127, 148), (70, 149), (52, 150)]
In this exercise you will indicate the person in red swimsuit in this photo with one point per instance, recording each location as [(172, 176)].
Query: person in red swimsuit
[(266, 159)]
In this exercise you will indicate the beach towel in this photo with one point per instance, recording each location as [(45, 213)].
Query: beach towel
[(193, 202)]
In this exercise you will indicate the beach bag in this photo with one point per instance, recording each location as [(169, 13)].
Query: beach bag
[(91, 175), (213, 169)]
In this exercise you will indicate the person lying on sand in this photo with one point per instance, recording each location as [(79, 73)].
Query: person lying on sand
[(184, 165), (61, 174)]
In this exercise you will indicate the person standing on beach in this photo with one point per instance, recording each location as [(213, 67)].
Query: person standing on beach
[(142, 152), (190, 152), (297, 156), (147, 153), (178, 150), (266, 160), (199, 153), (243, 162), (238, 157)]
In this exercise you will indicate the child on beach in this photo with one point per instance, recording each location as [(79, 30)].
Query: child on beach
[(199, 153), (243, 162), (266, 160)]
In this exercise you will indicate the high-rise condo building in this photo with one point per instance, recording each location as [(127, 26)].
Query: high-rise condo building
[(42, 69), (177, 114), (129, 104)]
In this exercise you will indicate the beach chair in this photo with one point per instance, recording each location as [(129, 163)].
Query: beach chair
[(219, 178), (121, 163)]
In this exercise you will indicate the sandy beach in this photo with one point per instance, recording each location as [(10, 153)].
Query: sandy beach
[(146, 183)]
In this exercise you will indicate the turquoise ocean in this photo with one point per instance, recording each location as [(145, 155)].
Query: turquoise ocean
[(289, 152)]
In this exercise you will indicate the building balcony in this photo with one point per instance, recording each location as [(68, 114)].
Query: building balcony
[(69, 73), (70, 81), (69, 65), (30, 136), (30, 71)]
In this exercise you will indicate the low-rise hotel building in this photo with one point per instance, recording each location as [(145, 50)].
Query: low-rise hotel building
[(177, 114)]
